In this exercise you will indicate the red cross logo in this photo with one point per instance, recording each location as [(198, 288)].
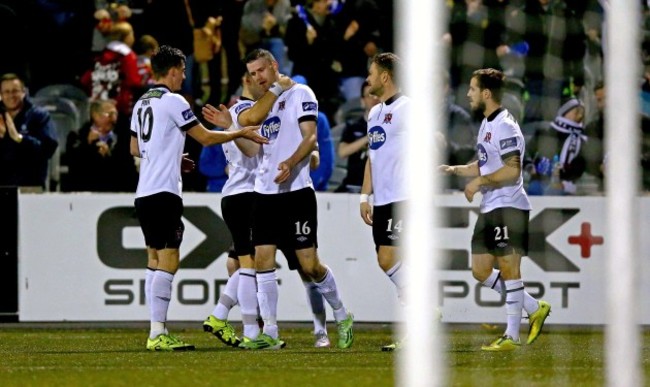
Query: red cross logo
[(585, 240)]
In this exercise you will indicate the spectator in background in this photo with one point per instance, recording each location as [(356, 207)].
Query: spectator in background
[(232, 10), (156, 18), (27, 136), (563, 142), (97, 163), (263, 25), (205, 17), (114, 74), (312, 43), (354, 144), (358, 27), (144, 48), (594, 149), (105, 20)]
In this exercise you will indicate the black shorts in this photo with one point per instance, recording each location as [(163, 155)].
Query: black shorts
[(387, 224), (237, 212), (501, 231), (160, 220), (292, 258), (288, 219)]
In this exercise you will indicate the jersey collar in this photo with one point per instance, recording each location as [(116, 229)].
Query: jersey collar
[(495, 114), (393, 98)]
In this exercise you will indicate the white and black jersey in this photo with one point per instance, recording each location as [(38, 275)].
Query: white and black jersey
[(281, 128), (386, 139), (241, 169), (160, 120), (499, 138)]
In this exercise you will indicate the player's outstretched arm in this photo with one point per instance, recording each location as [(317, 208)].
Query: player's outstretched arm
[(209, 137)]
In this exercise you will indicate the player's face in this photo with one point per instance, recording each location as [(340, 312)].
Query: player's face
[(376, 87), (179, 76), (475, 96), (253, 88), (263, 73)]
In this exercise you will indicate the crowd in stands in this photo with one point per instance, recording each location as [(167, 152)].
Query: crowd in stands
[(552, 52)]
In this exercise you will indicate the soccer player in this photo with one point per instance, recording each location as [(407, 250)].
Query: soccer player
[(384, 175), (501, 231), (285, 212), (161, 118), (237, 212)]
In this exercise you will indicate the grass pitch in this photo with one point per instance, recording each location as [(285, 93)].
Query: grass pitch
[(76, 355)]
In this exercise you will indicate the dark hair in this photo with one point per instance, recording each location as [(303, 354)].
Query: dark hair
[(389, 62), (165, 59), (259, 53), (12, 77), (492, 80)]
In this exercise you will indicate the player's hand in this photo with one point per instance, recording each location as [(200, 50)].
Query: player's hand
[(3, 125), (251, 133), (447, 169), (285, 172), (471, 189), (187, 164), (285, 82), (366, 213), (219, 117)]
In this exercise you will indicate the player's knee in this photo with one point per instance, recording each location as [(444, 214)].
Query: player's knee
[(315, 271), (481, 274)]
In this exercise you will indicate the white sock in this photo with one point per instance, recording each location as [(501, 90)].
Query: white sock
[(161, 293), (396, 274), (494, 281), (247, 296), (327, 287), (315, 300), (267, 297), (228, 298), (156, 328), (148, 277), (514, 304)]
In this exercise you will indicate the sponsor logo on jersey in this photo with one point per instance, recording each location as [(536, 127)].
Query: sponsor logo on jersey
[(482, 155), (154, 93), (239, 108), (188, 114), (376, 137), (270, 128), (309, 106), (388, 118), (508, 143)]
